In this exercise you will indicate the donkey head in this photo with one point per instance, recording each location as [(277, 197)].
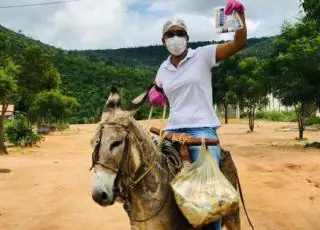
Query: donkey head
[(114, 156)]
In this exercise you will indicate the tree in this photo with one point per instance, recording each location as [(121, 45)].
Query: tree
[(8, 89), (312, 8), (251, 86), (222, 89), (4, 47), (86, 75), (296, 69), (38, 74), (52, 107)]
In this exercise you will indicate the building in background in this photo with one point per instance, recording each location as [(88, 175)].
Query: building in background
[(275, 105)]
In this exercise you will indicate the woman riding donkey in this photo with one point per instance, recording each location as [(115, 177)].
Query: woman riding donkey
[(186, 80)]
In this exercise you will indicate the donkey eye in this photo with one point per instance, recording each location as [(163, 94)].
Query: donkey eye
[(115, 144)]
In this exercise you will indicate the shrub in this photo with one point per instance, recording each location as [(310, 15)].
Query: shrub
[(19, 132), (312, 120), (62, 126), (277, 116), (243, 115), (284, 116)]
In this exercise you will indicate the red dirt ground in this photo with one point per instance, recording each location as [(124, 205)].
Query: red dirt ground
[(49, 187)]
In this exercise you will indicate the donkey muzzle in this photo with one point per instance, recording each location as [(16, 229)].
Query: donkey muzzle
[(102, 198)]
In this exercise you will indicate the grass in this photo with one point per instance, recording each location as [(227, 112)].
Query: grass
[(284, 117), (277, 116)]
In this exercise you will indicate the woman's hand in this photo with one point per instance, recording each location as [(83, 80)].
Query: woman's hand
[(228, 49), (234, 5), (156, 97)]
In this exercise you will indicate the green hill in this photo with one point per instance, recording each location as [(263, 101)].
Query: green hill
[(87, 75), (149, 56), (86, 80)]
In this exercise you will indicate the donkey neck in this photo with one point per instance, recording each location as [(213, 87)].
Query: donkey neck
[(148, 197), (152, 199), (150, 194), (152, 202)]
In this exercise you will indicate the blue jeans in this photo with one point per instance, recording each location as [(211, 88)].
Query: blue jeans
[(203, 132)]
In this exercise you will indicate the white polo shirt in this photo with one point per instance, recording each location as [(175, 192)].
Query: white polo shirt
[(189, 89)]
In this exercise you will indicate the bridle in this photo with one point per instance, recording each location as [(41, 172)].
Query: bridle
[(123, 175)]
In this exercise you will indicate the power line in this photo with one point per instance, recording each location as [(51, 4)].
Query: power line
[(37, 4)]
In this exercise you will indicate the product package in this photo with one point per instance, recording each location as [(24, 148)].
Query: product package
[(227, 23)]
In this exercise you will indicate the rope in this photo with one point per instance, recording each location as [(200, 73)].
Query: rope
[(150, 113), (163, 119), (242, 200), (135, 182), (172, 165), (161, 139), (164, 112), (173, 158), (163, 203)]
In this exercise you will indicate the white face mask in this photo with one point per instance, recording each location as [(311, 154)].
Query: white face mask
[(176, 45)]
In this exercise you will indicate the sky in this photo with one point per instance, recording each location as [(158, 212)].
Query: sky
[(111, 24)]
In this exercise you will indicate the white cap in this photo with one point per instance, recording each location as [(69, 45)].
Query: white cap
[(174, 22)]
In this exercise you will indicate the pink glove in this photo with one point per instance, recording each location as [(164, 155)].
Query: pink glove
[(156, 98), (234, 5)]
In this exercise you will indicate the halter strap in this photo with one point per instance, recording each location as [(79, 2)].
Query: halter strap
[(132, 182)]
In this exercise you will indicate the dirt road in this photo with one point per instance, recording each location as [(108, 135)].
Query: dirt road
[(49, 187)]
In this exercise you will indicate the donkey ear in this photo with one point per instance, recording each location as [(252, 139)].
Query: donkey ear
[(137, 102), (113, 101)]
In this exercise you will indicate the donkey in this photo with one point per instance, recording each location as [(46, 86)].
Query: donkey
[(129, 168)]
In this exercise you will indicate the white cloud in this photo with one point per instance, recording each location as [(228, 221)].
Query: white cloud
[(100, 24), (187, 6), (263, 17)]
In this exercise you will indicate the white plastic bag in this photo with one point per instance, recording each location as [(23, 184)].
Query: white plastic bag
[(227, 23), (202, 192)]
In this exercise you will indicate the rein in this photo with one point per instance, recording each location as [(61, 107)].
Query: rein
[(120, 172), (131, 182)]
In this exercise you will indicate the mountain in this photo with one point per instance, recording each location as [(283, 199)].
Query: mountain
[(88, 74), (149, 56)]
